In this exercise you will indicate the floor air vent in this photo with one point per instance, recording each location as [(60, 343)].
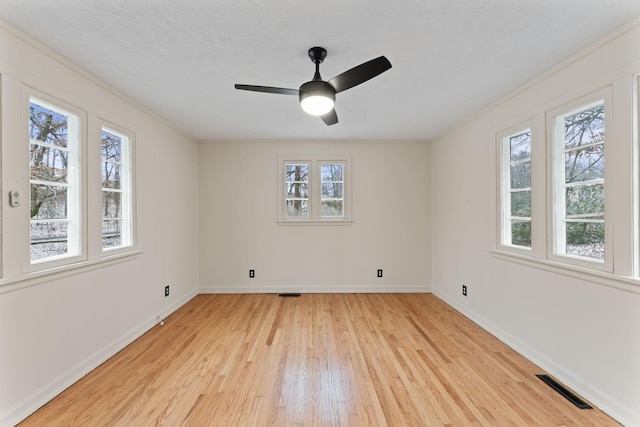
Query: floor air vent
[(570, 396), (288, 295)]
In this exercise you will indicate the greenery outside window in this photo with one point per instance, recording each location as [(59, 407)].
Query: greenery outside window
[(516, 189), (579, 182)]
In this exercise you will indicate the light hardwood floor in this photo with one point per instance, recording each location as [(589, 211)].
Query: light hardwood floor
[(319, 359)]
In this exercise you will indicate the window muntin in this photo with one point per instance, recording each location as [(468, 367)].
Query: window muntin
[(579, 203), (116, 189), (516, 192), (55, 212)]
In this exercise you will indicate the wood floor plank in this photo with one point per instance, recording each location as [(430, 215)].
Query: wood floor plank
[(315, 360)]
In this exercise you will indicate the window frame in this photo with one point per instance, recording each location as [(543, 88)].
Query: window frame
[(126, 188), (503, 139), (315, 191), (17, 269), (556, 185), (80, 193)]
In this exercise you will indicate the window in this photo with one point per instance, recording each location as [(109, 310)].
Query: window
[(80, 181), (579, 182), (297, 189), (314, 190), (552, 200), (116, 190), (55, 210), (332, 182), (516, 189)]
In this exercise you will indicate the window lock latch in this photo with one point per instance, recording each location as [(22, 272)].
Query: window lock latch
[(14, 199)]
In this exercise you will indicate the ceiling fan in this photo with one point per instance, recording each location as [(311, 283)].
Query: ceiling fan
[(317, 96)]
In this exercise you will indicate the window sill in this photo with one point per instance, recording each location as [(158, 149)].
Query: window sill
[(316, 222), (11, 284), (624, 283)]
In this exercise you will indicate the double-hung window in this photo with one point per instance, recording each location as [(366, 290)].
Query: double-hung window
[(551, 186), (332, 184), (116, 189), (516, 189), (578, 181), (55, 208), (297, 189), (314, 190)]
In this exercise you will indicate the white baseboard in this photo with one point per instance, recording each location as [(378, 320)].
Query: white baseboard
[(30, 404), (616, 410), (351, 289)]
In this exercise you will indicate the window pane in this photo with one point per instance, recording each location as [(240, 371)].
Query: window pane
[(585, 201), (47, 126), (520, 146), (111, 146), (521, 175), (111, 233), (297, 173), (585, 239), (332, 208), (48, 239), (584, 127), (332, 172), (111, 175), (332, 190), (584, 164), (48, 202), (297, 190), (48, 163), (521, 203), (297, 208), (111, 204), (521, 233)]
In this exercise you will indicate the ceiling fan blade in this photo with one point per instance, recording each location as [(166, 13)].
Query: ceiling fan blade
[(268, 89), (331, 118), (360, 74)]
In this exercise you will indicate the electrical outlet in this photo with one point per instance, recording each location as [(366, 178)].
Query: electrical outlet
[(252, 274), (380, 272), (464, 290), (166, 291)]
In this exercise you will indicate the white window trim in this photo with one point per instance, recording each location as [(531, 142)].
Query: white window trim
[(555, 160), (129, 225), (623, 168), (314, 217), (17, 271), (504, 185), (635, 263), (77, 235)]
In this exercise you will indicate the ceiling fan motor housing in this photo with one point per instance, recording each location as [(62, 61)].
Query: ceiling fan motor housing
[(317, 88)]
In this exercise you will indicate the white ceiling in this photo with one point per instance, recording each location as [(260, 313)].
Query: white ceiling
[(451, 58)]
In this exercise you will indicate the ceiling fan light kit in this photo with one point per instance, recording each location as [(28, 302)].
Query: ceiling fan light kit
[(317, 97)]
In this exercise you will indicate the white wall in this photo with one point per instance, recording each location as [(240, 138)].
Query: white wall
[(55, 329), (583, 331), (238, 212)]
